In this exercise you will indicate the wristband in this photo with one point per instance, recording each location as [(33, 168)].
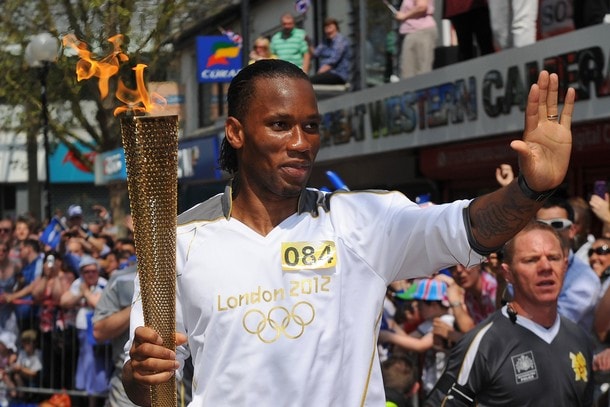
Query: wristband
[(530, 193), (455, 304)]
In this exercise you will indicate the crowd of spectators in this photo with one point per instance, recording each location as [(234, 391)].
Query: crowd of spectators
[(65, 294), (481, 27), (424, 319), (333, 54), (51, 278)]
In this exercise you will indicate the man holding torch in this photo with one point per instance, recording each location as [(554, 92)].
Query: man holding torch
[(279, 287)]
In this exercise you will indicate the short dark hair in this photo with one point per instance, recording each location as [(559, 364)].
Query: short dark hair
[(399, 373), (561, 202), (332, 21), (33, 243), (508, 252), (241, 94)]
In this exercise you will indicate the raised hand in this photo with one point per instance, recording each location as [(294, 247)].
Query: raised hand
[(544, 152)]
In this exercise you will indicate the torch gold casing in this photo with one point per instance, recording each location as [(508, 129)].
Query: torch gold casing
[(151, 154)]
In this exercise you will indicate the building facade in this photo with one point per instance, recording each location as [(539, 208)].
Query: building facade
[(441, 133)]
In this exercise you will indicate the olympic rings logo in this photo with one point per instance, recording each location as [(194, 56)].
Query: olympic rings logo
[(279, 321)]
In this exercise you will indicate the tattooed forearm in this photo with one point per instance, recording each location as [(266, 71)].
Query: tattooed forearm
[(495, 218)]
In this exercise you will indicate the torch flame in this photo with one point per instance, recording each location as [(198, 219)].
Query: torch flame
[(107, 67), (132, 98)]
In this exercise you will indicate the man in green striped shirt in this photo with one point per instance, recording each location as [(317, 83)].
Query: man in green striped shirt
[(291, 44)]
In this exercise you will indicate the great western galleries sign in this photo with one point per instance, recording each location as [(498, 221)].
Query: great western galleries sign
[(218, 59), (481, 97)]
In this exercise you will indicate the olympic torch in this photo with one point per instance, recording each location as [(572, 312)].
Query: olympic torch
[(151, 156)]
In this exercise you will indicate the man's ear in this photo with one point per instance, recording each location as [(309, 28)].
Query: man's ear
[(234, 132), (573, 231), (508, 276)]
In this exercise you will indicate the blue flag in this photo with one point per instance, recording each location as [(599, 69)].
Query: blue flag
[(337, 182), (52, 233), (301, 6)]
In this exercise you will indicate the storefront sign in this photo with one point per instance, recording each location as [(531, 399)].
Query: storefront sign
[(218, 59), (478, 98)]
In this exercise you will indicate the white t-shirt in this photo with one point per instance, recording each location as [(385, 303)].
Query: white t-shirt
[(32, 362), (292, 318), (84, 309)]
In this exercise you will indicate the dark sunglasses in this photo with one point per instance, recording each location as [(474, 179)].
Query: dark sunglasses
[(4, 230), (600, 251), (558, 224)]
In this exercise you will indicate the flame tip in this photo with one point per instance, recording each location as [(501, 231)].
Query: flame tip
[(87, 67)]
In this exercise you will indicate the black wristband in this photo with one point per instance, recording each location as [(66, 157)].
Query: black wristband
[(530, 193)]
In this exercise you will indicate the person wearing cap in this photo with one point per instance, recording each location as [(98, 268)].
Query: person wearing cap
[(581, 287), (91, 368), (526, 353), (77, 230), (74, 215), (431, 297), (407, 313)]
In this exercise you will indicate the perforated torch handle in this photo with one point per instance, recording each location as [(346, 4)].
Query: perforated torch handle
[(151, 154)]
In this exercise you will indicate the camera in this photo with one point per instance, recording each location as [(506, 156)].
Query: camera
[(50, 260)]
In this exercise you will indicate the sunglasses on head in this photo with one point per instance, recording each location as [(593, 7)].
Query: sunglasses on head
[(558, 224), (600, 251)]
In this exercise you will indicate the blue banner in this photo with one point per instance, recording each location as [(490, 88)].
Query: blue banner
[(218, 59), (110, 166), (66, 167), (198, 159)]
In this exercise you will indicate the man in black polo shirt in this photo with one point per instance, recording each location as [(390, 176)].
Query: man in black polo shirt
[(525, 354)]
